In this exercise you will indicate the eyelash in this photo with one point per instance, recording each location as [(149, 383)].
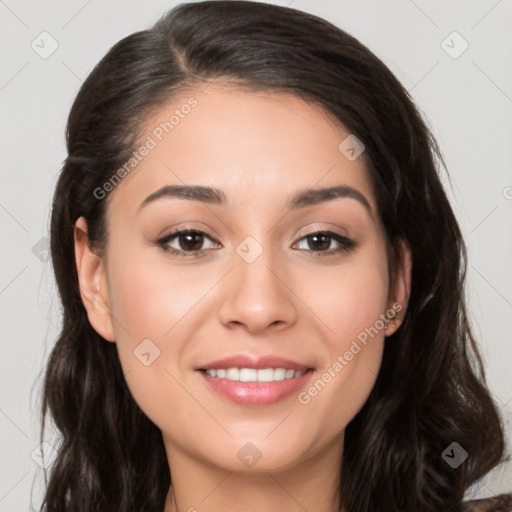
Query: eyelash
[(346, 244)]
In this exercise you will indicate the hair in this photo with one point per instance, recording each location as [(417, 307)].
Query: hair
[(431, 389)]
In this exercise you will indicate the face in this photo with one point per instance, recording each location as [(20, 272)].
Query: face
[(256, 277)]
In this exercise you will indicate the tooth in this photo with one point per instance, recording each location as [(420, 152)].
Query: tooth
[(266, 375), (254, 375), (248, 375), (279, 374), (233, 374)]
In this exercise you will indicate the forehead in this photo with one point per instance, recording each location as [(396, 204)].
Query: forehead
[(258, 147)]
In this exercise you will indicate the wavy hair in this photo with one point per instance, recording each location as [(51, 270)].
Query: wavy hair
[(431, 389)]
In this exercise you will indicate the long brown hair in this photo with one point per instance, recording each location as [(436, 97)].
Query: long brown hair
[(431, 388)]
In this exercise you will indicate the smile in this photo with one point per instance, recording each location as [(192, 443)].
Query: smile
[(254, 375)]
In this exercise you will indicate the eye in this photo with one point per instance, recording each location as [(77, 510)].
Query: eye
[(189, 241), (321, 242)]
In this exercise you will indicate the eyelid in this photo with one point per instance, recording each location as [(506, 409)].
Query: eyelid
[(313, 231)]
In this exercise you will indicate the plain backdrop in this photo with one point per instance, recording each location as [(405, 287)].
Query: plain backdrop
[(455, 59)]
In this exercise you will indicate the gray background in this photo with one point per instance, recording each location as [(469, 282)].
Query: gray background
[(467, 99)]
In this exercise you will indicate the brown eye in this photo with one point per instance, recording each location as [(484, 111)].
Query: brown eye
[(321, 242), (184, 241), (190, 241)]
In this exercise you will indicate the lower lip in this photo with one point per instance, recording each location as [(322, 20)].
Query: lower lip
[(256, 393)]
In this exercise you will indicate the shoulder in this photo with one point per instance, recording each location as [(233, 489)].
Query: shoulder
[(500, 503)]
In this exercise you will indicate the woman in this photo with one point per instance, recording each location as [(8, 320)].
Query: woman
[(262, 281)]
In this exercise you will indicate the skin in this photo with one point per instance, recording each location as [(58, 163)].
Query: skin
[(259, 148)]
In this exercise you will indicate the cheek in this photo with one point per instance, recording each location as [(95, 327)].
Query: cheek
[(147, 304), (150, 297), (350, 298), (349, 302), (154, 306)]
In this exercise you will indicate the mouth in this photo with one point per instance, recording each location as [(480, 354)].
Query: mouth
[(255, 381), (253, 374)]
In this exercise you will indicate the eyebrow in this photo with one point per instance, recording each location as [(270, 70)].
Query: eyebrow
[(300, 199)]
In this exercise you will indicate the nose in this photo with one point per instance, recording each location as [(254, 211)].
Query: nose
[(258, 296)]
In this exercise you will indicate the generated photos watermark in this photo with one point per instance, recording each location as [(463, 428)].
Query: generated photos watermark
[(341, 361), (150, 143)]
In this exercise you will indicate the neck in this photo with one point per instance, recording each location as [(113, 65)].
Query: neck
[(311, 485)]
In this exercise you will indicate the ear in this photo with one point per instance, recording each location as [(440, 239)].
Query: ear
[(400, 286), (93, 283)]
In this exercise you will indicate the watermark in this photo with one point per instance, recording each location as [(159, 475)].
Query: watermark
[(249, 249), (150, 143), (304, 397), (41, 250), (44, 45), (454, 455), (507, 192), (454, 45), (146, 352), (351, 147), (44, 454), (249, 454)]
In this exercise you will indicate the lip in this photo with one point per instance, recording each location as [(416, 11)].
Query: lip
[(259, 363), (255, 393)]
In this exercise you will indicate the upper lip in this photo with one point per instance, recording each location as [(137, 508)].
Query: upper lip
[(244, 361)]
